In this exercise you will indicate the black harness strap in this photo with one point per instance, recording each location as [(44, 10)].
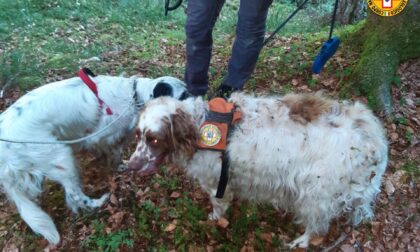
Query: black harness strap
[(224, 176), (224, 173), (214, 116), (224, 116)]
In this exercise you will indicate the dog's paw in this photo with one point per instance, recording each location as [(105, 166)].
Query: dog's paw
[(301, 242), (99, 202), (52, 236), (213, 216)]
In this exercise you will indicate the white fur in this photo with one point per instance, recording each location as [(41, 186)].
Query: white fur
[(66, 110), (319, 170)]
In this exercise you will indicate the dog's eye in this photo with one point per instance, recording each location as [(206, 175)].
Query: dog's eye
[(138, 135), (153, 142)]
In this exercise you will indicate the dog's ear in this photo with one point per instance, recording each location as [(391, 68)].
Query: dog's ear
[(163, 89), (185, 95), (184, 134)]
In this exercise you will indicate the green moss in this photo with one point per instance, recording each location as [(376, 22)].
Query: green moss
[(386, 43)]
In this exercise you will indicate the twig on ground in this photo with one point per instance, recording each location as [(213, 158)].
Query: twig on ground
[(6, 85), (336, 243)]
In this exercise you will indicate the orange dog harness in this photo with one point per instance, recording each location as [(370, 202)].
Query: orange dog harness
[(214, 134), (214, 131)]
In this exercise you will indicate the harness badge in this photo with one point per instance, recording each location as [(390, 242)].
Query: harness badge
[(210, 134)]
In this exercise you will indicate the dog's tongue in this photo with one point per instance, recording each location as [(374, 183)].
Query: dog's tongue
[(152, 167)]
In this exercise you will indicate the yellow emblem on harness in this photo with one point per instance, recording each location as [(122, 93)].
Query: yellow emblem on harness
[(210, 134)]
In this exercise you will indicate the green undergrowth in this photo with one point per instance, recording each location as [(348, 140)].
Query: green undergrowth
[(42, 41), (111, 241), (412, 168)]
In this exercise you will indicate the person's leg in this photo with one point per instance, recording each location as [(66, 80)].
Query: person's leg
[(201, 17), (249, 39)]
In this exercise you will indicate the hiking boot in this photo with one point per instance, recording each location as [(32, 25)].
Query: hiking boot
[(223, 91)]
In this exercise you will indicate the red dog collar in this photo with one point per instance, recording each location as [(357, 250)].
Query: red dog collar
[(84, 75)]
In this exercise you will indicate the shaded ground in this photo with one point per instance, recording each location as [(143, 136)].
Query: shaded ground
[(168, 211)]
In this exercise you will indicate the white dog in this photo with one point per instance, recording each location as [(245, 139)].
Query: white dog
[(303, 153), (67, 110)]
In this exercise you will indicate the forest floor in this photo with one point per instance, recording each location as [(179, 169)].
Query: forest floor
[(167, 211)]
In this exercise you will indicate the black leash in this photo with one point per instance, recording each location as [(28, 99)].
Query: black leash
[(333, 19), (173, 7), (284, 23), (329, 48)]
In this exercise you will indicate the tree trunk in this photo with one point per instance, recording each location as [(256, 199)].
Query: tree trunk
[(348, 11), (351, 11), (385, 43)]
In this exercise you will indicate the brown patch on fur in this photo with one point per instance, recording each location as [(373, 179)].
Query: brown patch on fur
[(182, 134), (306, 108), (372, 175), (358, 123)]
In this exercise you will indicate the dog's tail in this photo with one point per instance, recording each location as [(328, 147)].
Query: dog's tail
[(33, 215), (369, 161)]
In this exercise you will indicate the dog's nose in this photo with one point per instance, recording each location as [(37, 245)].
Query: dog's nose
[(137, 162)]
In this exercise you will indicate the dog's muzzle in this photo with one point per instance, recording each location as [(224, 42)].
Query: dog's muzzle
[(144, 165)]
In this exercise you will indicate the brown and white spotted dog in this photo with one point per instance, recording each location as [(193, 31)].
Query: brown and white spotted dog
[(304, 153), (65, 110)]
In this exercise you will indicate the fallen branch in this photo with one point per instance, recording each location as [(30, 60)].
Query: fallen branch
[(336, 243), (6, 85)]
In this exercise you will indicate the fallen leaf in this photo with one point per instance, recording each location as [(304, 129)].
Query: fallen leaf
[(389, 188), (108, 230), (266, 237), (113, 199), (409, 129), (222, 222), (376, 228), (394, 136), (316, 241), (406, 238), (175, 195), (347, 248), (209, 248), (247, 248), (304, 87), (117, 218), (171, 227), (394, 152), (393, 127), (113, 185)]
